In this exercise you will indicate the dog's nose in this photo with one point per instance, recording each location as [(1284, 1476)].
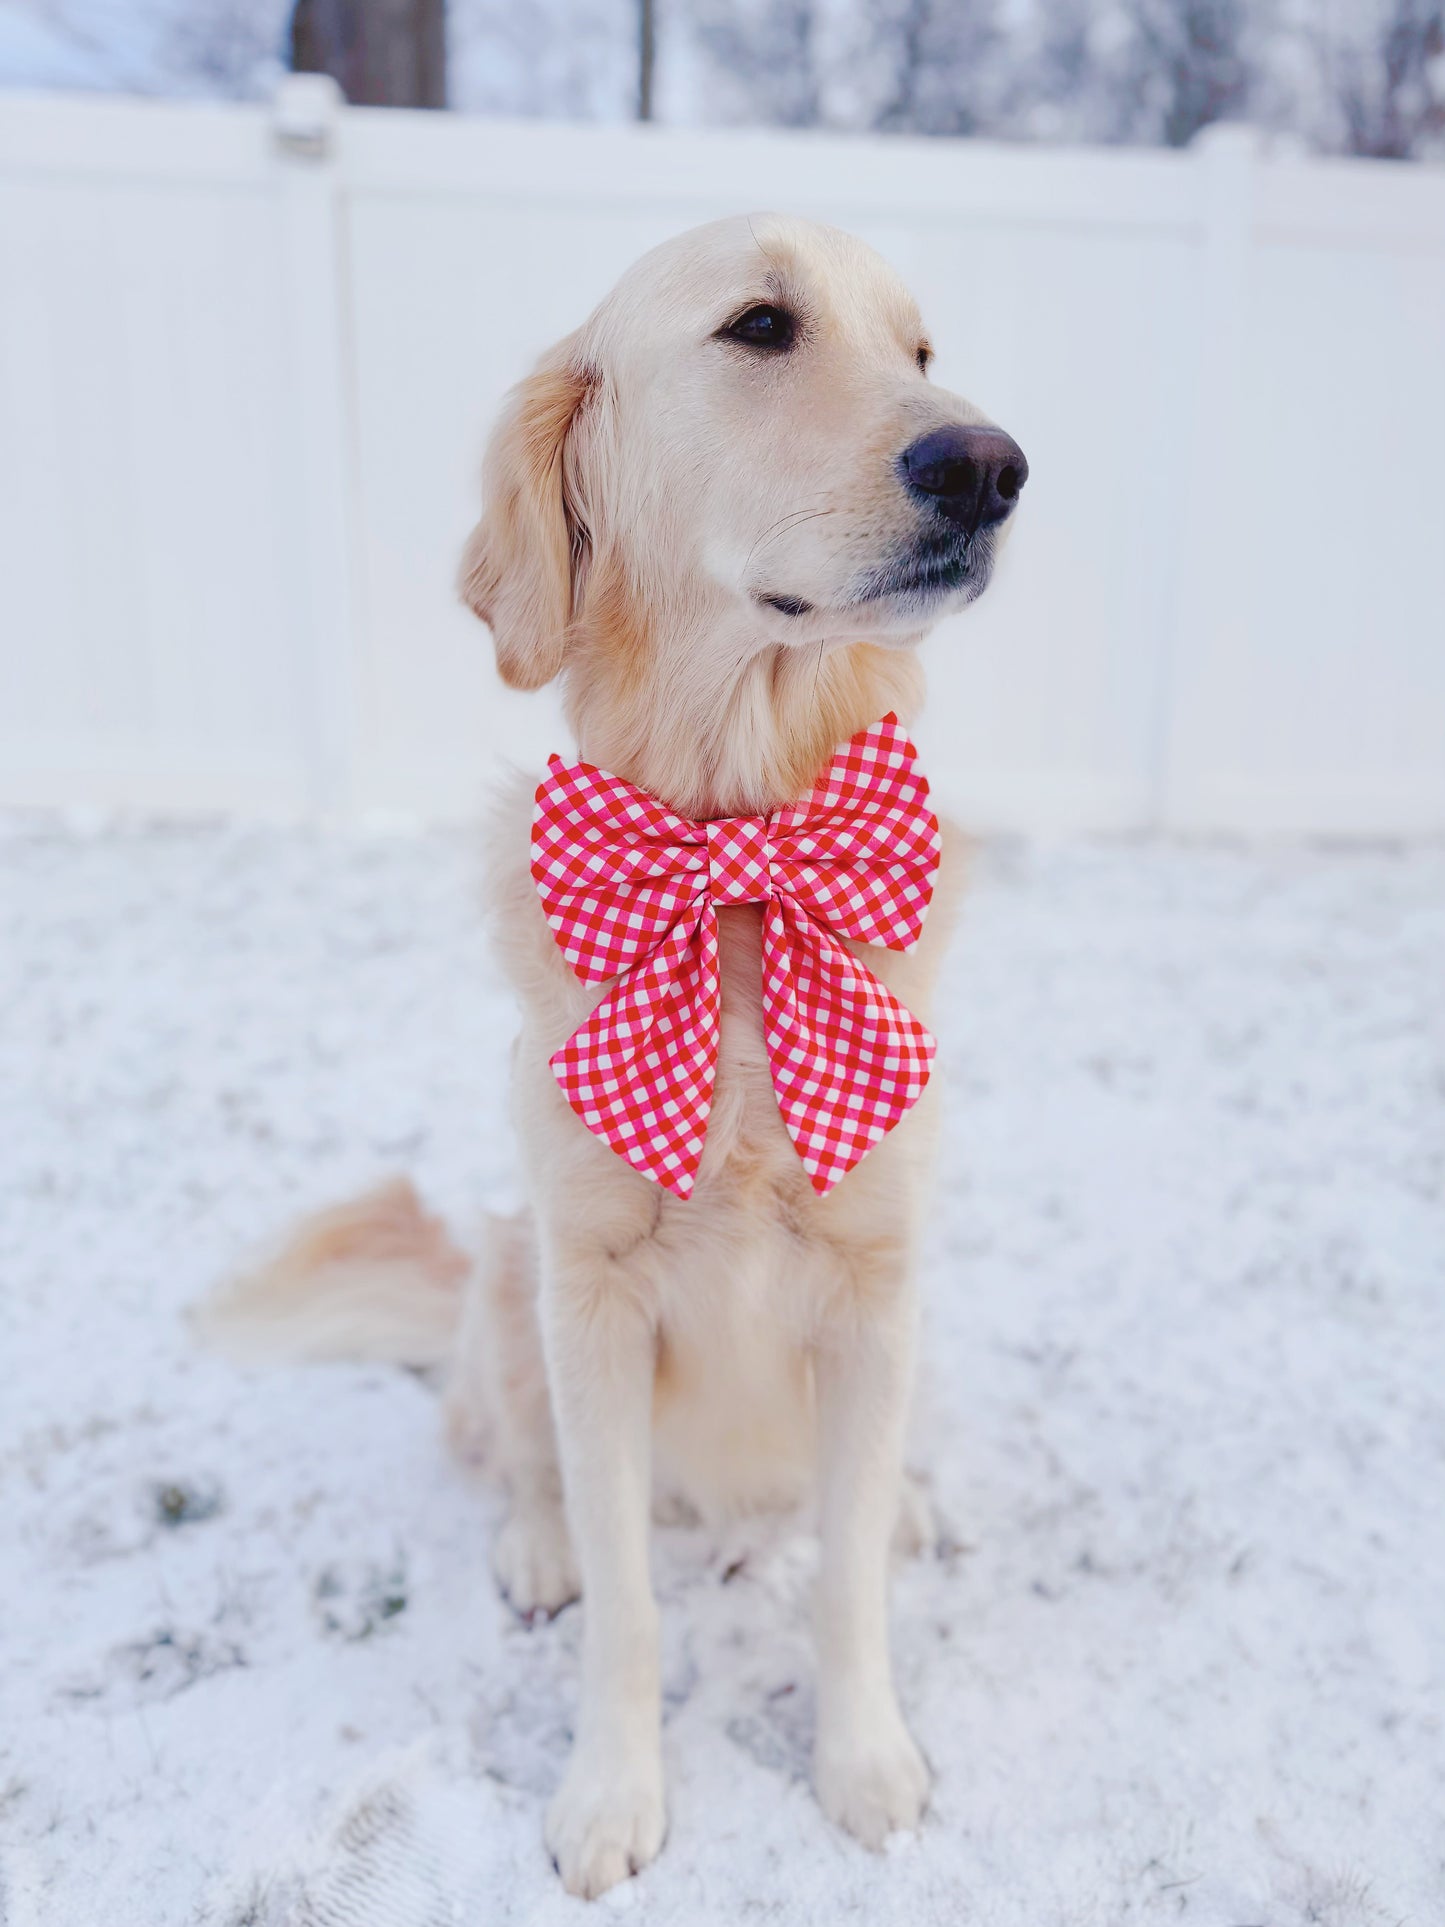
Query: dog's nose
[(974, 474)]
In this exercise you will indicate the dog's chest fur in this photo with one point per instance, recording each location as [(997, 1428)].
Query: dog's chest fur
[(741, 1277)]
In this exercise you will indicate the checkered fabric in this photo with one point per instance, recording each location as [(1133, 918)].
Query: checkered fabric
[(631, 892)]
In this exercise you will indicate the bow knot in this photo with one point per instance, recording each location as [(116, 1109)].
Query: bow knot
[(739, 860), (631, 891)]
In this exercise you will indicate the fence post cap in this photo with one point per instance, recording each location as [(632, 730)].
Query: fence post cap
[(1229, 138), (305, 113)]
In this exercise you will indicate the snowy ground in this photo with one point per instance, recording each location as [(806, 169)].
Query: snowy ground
[(1182, 1658)]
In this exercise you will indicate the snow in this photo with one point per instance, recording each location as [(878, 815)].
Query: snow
[(1181, 1656)]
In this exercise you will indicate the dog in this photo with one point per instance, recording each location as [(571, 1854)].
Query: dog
[(724, 512)]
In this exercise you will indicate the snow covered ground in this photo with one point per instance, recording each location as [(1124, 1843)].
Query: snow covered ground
[(1181, 1657)]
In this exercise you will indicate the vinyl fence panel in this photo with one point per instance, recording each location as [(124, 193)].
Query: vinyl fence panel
[(249, 357)]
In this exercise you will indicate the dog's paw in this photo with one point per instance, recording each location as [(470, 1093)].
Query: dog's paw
[(871, 1779), (606, 1822), (533, 1563)]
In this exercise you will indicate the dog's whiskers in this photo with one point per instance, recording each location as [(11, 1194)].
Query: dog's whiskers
[(785, 524)]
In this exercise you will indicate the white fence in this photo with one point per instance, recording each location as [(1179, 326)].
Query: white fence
[(244, 387)]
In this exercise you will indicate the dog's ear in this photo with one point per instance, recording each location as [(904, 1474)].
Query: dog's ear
[(522, 567)]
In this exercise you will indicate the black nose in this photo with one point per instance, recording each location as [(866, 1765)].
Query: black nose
[(973, 474)]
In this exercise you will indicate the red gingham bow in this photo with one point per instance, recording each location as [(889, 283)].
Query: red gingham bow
[(630, 891)]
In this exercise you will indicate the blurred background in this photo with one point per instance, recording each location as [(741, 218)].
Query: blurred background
[(254, 336), (1339, 76)]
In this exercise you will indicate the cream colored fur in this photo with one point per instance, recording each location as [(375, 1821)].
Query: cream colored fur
[(648, 488)]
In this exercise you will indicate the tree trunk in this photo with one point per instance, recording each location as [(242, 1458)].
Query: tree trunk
[(382, 53), (646, 56)]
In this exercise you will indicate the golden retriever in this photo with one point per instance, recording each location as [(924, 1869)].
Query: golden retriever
[(724, 512)]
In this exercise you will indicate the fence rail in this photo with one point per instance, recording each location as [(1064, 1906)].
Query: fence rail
[(247, 359)]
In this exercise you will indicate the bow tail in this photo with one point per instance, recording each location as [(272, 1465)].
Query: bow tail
[(640, 1072), (848, 1059)]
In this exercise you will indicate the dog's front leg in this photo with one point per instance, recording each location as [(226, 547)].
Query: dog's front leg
[(607, 1818), (871, 1777)]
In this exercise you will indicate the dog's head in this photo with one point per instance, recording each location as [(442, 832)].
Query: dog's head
[(746, 423)]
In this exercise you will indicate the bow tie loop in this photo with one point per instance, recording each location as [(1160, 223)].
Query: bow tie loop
[(631, 892)]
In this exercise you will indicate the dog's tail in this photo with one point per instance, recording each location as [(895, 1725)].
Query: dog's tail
[(376, 1279)]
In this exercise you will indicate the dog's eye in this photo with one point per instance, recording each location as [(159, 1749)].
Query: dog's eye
[(763, 327), (924, 356)]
